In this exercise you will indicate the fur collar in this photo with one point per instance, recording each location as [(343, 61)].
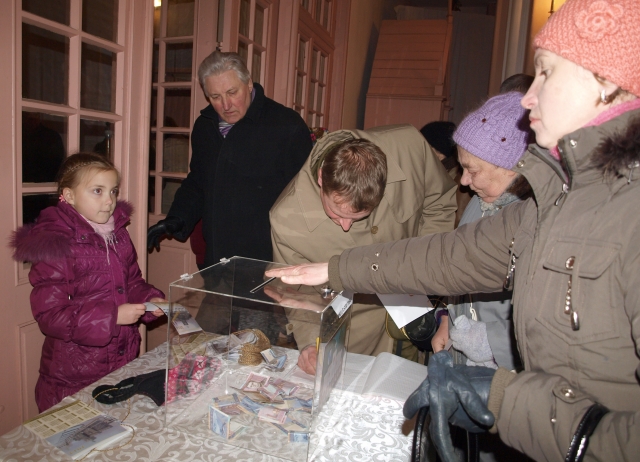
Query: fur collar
[(619, 155), (50, 237)]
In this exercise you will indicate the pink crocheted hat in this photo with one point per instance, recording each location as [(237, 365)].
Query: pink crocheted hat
[(602, 36)]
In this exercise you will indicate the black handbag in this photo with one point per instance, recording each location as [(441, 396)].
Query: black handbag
[(420, 331), (422, 449)]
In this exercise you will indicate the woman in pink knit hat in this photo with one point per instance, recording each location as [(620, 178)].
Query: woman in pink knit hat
[(571, 255)]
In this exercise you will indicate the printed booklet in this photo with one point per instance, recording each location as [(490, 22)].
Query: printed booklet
[(77, 428)]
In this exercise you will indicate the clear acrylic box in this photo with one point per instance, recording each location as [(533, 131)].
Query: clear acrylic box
[(208, 369)]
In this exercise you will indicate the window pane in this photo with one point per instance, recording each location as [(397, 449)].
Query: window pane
[(319, 121), (325, 17), (298, 99), (319, 100), (44, 141), (310, 119), (180, 18), (152, 195), (177, 105), (97, 80), (175, 153), (55, 10), (305, 4), (152, 151), (243, 51), (157, 11), (311, 95), (45, 62), (258, 27), (255, 66), (100, 18), (302, 49), (32, 204), (244, 17), (154, 107), (323, 62), (169, 188), (154, 71), (314, 62), (97, 136), (178, 62), (318, 16)]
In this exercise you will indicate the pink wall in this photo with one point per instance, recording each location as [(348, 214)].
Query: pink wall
[(364, 26)]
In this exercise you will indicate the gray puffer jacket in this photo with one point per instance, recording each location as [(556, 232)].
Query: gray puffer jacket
[(493, 309)]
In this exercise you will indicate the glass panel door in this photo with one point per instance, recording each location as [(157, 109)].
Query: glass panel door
[(252, 24), (172, 100), (314, 56), (70, 59)]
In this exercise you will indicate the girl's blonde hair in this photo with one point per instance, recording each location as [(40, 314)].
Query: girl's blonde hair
[(76, 165)]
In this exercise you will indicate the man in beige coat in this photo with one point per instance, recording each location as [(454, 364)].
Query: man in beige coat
[(309, 226)]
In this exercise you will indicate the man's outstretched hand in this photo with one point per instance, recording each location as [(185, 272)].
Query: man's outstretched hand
[(167, 227)]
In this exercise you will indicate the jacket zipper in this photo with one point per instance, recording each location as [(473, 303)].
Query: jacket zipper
[(565, 191), (508, 279), (556, 167)]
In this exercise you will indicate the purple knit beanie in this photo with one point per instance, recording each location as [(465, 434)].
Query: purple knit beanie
[(498, 132)]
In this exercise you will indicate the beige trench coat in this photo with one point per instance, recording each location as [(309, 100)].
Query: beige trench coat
[(419, 199), (598, 224)]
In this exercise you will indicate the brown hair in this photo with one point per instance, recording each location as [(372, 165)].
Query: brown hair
[(355, 171), (612, 97), (75, 166)]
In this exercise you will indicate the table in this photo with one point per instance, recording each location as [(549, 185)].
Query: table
[(351, 427)]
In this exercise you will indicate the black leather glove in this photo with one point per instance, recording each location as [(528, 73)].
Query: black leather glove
[(167, 227), (454, 394)]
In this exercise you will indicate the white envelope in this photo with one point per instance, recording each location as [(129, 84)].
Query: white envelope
[(404, 308)]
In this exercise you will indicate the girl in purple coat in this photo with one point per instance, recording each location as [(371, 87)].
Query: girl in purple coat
[(88, 292)]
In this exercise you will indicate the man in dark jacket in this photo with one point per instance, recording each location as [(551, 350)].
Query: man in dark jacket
[(245, 150)]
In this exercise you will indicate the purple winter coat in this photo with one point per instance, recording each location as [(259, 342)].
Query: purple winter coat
[(76, 292)]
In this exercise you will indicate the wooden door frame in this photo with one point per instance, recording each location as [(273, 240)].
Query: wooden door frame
[(10, 394), (287, 56), (16, 402)]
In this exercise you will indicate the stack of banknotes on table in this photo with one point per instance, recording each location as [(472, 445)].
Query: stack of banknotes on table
[(273, 401)]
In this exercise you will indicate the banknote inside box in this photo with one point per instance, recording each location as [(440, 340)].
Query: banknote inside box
[(234, 377)]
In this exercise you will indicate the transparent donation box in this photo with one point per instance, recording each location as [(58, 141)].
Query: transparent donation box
[(233, 346)]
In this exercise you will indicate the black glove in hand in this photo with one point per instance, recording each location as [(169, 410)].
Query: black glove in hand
[(456, 395), (167, 227)]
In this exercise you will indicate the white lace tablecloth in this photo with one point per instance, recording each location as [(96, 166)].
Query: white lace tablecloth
[(351, 427)]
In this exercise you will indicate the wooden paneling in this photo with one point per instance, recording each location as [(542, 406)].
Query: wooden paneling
[(407, 39), (434, 26), (414, 47), (407, 64), (407, 55), (166, 266), (31, 340), (402, 91), (386, 110), (408, 75), (424, 76)]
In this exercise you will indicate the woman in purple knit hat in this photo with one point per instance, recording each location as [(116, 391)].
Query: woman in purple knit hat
[(571, 254)]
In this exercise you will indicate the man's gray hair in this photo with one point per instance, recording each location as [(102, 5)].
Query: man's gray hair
[(218, 62)]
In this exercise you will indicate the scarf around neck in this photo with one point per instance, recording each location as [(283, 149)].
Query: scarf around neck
[(225, 127), (105, 230)]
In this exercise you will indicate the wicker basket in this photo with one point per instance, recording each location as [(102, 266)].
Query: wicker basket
[(250, 352)]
